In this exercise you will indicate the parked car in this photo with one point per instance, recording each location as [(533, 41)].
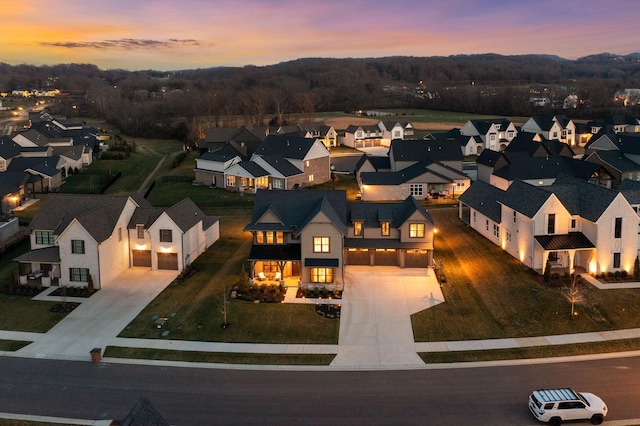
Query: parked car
[(558, 405)]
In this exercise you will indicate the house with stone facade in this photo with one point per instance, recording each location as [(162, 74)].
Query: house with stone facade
[(74, 237), (308, 237)]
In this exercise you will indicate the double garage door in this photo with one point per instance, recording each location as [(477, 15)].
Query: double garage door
[(165, 260), (388, 257)]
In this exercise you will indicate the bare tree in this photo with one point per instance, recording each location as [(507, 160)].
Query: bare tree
[(573, 293), (223, 307)]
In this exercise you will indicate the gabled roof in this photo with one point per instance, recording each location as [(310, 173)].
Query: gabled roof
[(418, 150), (10, 182), (282, 165), (367, 128), (98, 214), (186, 214), (217, 156), (449, 134), (582, 198), (629, 143), (423, 167), (488, 157), (251, 168), (46, 166), (483, 126), (524, 198), (631, 190), (484, 198), (377, 162), (8, 148), (73, 152), (293, 147), (294, 209), (525, 142), (615, 159), (371, 214), (523, 167)]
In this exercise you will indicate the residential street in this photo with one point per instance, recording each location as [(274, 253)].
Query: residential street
[(204, 396)]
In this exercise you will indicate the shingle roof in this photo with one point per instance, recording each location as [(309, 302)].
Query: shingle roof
[(524, 198), (371, 214), (8, 148), (98, 214), (293, 147), (10, 182), (295, 208), (488, 157), (615, 159), (417, 150), (582, 198), (43, 165), (186, 214), (523, 167), (282, 165), (484, 198), (631, 190), (426, 166)]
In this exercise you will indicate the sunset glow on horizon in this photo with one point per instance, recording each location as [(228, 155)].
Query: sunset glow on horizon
[(186, 34)]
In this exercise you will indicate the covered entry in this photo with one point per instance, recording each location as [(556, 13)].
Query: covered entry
[(168, 261), (141, 258)]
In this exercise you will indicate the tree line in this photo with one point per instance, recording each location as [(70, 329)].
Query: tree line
[(181, 104)]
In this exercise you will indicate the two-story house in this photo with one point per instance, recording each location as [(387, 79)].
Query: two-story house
[(495, 134), (395, 130), (74, 237), (552, 127), (309, 237), (362, 136), (571, 224)]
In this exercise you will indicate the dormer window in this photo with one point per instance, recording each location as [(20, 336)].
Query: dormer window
[(385, 228), (416, 230)]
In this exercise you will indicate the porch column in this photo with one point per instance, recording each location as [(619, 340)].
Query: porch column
[(572, 255), (545, 257)]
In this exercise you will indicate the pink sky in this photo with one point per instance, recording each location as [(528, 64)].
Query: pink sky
[(181, 34)]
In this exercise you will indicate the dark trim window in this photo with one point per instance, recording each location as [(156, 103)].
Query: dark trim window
[(514, 216), (166, 236), (415, 189), (573, 224), (321, 245), (79, 274), (416, 230), (321, 275), (77, 246), (616, 260), (44, 237), (551, 224), (140, 231), (617, 233)]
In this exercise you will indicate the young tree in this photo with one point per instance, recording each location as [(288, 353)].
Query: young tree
[(573, 293), (223, 307), (547, 272)]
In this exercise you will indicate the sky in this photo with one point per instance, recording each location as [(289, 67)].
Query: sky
[(188, 34)]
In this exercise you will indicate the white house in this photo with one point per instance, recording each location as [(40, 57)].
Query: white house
[(78, 237), (572, 224), (494, 133), (552, 127)]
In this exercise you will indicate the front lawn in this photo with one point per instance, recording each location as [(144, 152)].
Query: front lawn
[(489, 294)]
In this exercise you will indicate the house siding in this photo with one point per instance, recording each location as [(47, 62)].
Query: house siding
[(90, 259)]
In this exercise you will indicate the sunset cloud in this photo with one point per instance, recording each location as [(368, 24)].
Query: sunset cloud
[(125, 43)]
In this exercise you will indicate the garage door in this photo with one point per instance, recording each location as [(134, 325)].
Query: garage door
[(168, 261), (358, 257), (416, 259), (387, 257), (142, 258)]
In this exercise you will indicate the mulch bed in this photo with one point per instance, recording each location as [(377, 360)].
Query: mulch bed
[(328, 311), (317, 293), (64, 307), (74, 292)]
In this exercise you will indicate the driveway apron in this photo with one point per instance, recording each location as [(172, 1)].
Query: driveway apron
[(375, 322), (100, 318)]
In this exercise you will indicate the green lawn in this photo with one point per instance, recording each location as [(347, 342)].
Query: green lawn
[(489, 294)]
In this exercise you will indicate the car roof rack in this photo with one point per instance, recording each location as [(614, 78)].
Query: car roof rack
[(562, 394)]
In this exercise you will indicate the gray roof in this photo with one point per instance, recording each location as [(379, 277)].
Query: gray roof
[(419, 149), (294, 147), (43, 165), (98, 214), (582, 198), (8, 148), (282, 165), (295, 209), (253, 169), (524, 198), (186, 214), (371, 214), (217, 156), (631, 190), (615, 159), (484, 198), (43, 255), (423, 167), (523, 167), (10, 182)]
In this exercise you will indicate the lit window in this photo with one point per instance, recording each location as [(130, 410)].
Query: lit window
[(279, 238), (231, 180), (269, 237), (321, 244), (321, 275), (310, 178), (385, 228), (259, 237), (416, 230), (357, 228)]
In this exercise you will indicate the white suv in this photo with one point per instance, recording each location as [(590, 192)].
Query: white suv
[(557, 405)]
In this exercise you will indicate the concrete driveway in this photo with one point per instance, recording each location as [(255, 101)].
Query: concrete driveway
[(102, 317), (375, 323)]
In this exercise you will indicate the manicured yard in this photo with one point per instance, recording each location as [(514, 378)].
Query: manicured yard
[(196, 301), (489, 294)]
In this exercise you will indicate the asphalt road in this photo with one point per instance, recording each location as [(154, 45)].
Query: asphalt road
[(194, 396)]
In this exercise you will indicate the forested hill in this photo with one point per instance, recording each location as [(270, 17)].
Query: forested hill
[(487, 83)]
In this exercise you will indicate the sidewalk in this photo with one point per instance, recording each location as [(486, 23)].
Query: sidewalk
[(372, 336)]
